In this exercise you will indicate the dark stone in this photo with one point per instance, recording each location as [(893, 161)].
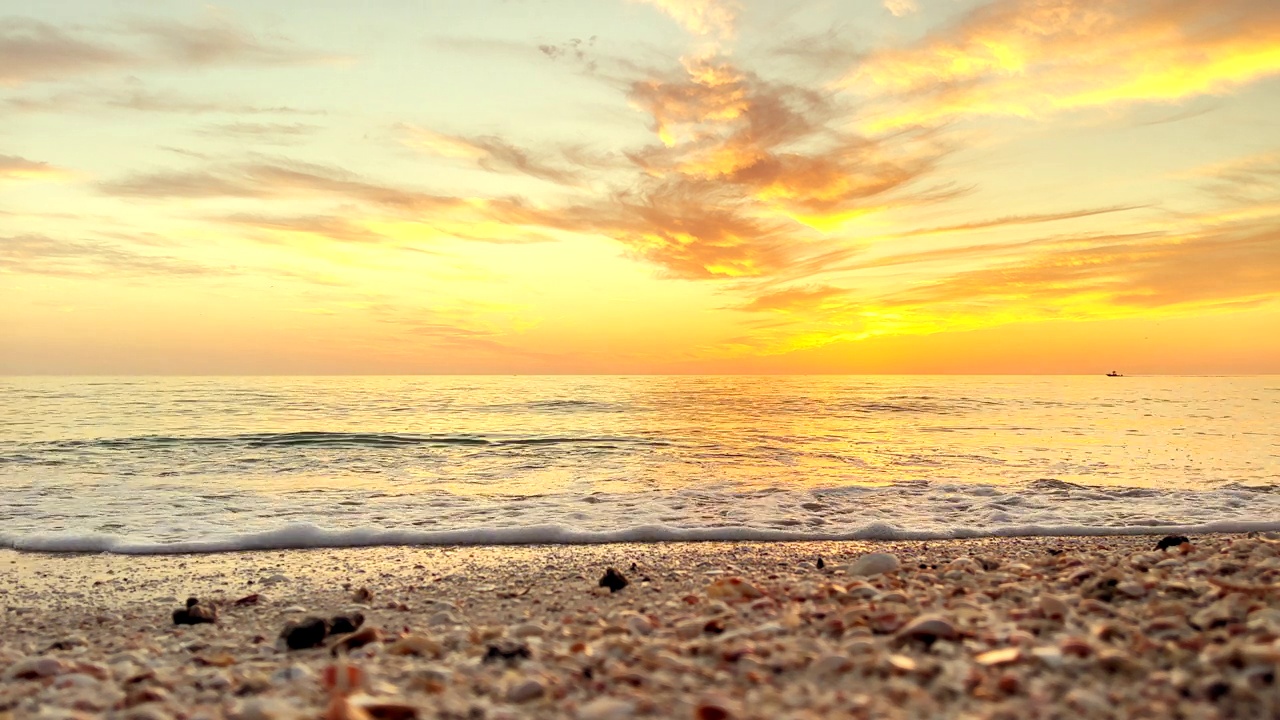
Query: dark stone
[(346, 623), (1169, 541), (195, 613), (308, 633), (714, 626), (821, 563), (613, 580), (507, 650)]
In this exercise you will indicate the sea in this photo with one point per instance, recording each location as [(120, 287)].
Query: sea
[(216, 464)]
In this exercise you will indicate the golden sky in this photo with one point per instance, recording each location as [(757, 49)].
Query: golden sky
[(937, 186)]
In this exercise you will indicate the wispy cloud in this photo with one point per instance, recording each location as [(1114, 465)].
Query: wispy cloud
[(901, 8), (44, 255), (34, 51), (489, 152), (712, 18), (1033, 57), (31, 51), (13, 167)]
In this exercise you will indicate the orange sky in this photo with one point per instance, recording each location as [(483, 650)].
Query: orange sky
[(1017, 186)]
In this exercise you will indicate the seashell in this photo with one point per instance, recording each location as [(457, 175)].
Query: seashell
[(733, 588), (929, 628), (902, 663), (420, 645), (831, 664), (1003, 656), (357, 639), (872, 564), (861, 590)]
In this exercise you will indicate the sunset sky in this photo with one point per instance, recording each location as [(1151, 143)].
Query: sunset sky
[(547, 186)]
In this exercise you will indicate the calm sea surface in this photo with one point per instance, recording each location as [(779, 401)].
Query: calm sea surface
[(153, 464)]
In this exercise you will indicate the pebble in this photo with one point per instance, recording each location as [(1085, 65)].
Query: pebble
[(525, 630), (606, 708), (613, 580), (341, 624), (1171, 541), (525, 691), (37, 667), (872, 564), (195, 613), (307, 633)]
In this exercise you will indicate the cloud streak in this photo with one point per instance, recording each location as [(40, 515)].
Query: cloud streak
[(33, 51), (17, 168)]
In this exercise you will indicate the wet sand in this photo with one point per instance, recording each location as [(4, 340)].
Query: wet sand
[(1029, 627)]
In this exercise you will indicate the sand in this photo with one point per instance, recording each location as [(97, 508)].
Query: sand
[(1016, 628)]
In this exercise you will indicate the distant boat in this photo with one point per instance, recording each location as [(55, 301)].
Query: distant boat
[(1113, 373)]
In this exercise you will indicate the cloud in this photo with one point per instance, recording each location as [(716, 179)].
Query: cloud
[(13, 167), (270, 133), (218, 41), (138, 99), (901, 8), (794, 300), (713, 18), (489, 152), (1219, 266), (43, 255), (34, 51), (1034, 57)]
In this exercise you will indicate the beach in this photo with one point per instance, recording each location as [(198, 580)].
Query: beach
[(1002, 627)]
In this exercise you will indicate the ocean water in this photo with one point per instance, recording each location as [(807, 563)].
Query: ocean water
[(142, 465)]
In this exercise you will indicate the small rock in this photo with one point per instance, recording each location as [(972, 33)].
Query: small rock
[(606, 708), (308, 633), (525, 630), (713, 709), (831, 664), (1170, 541), (1052, 607), (872, 564), (37, 667), (613, 580), (506, 650), (363, 595), (195, 613), (821, 563), (928, 629), (341, 624), (530, 689)]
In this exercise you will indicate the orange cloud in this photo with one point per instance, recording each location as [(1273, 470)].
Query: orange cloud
[(1033, 57)]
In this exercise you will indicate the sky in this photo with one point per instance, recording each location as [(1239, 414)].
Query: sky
[(639, 186)]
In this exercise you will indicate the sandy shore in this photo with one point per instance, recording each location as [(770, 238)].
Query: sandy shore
[(1016, 628)]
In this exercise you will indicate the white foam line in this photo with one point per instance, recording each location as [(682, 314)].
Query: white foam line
[(305, 536)]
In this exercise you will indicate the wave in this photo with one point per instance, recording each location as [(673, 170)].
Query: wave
[(299, 536), (336, 440)]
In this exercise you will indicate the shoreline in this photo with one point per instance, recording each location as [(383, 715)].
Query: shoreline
[(1016, 627)]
